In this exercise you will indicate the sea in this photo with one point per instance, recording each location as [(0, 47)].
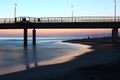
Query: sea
[(15, 57)]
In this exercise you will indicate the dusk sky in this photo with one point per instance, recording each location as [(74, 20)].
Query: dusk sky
[(57, 8)]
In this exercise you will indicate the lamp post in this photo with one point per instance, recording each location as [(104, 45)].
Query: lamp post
[(15, 11), (115, 10), (72, 12), (115, 29)]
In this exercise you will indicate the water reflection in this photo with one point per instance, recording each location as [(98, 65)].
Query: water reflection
[(35, 56), (26, 58), (30, 53)]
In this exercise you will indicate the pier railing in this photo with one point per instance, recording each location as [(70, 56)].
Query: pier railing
[(61, 19)]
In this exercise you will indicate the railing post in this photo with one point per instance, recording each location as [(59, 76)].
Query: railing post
[(9, 20), (4, 20), (15, 20), (60, 19), (29, 19), (48, 19), (34, 20)]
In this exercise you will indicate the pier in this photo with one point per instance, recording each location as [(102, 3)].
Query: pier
[(84, 22)]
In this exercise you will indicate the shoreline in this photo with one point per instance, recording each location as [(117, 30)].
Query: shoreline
[(107, 71), (61, 59), (104, 56), (66, 58)]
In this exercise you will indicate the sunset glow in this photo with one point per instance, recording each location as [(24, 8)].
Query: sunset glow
[(72, 31), (40, 8), (50, 32)]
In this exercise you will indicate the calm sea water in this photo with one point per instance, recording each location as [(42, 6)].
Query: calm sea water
[(14, 56)]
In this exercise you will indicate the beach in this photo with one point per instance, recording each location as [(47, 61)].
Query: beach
[(60, 40), (101, 63), (105, 64)]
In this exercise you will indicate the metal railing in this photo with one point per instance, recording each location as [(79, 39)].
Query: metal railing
[(61, 19)]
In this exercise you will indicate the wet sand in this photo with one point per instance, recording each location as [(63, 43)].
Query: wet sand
[(82, 49), (106, 64), (100, 64)]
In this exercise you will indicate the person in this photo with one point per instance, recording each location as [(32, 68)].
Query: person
[(23, 19), (38, 19)]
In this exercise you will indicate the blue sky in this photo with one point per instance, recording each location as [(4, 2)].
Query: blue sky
[(58, 8)]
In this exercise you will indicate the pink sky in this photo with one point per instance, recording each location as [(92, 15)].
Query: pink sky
[(56, 31)]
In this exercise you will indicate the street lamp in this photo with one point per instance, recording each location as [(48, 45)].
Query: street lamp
[(115, 10), (15, 11), (72, 11), (115, 29)]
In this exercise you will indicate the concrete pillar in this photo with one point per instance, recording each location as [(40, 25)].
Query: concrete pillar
[(25, 36), (115, 35), (34, 36)]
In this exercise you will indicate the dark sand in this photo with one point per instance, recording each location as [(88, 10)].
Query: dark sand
[(109, 69), (100, 64)]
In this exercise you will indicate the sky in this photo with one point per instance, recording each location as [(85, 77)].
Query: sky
[(57, 8)]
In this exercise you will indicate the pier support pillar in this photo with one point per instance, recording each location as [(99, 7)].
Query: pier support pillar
[(115, 35), (34, 36), (25, 36)]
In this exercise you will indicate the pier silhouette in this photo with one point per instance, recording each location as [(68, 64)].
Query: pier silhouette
[(84, 22)]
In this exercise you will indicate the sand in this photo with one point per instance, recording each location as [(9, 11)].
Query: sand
[(102, 55)]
